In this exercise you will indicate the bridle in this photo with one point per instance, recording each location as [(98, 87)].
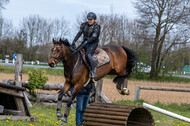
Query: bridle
[(67, 56), (64, 59), (59, 55)]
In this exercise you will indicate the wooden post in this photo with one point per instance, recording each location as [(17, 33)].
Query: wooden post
[(27, 100), (98, 90), (1, 109), (137, 93), (20, 103), (18, 70), (106, 100)]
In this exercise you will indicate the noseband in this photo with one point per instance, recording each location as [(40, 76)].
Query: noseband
[(59, 55), (62, 53)]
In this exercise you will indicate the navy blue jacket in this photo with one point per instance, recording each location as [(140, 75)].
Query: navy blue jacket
[(90, 33), (87, 89)]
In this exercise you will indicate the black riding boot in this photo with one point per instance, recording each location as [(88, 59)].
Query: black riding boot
[(92, 66)]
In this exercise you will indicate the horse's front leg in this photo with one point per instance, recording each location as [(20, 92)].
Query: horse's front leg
[(66, 87), (75, 91)]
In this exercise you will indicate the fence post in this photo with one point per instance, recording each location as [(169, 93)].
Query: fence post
[(137, 93), (18, 70), (18, 78), (98, 90)]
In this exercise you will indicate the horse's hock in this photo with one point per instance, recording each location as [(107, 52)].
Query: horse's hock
[(106, 114)]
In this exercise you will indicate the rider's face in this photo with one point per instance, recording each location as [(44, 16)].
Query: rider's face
[(91, 21)]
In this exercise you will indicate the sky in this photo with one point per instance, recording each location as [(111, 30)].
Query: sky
[(16, 10)]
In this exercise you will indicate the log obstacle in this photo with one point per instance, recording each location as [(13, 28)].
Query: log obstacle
[(13, 100), (107, 114)]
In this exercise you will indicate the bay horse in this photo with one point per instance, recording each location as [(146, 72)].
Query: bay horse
[(76, 73)]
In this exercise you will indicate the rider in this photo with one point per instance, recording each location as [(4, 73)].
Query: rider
[(91, 32)]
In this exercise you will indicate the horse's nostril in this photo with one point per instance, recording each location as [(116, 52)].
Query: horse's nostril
[(51, 64)]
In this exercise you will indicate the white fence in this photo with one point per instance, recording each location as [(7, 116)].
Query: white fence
[(137, 91)]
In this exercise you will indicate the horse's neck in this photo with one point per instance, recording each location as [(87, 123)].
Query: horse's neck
[(71, 62)]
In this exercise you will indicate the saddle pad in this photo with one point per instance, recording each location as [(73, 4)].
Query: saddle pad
[(102, 57)]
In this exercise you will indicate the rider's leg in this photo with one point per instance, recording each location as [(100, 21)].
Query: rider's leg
[(89, 51)]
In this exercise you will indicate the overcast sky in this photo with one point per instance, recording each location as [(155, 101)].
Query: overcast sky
[(70, 9)]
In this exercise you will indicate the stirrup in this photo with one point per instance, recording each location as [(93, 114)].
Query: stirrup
[(93, 74), (92, 79)]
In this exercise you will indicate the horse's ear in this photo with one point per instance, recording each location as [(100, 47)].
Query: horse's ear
[(66, 41), (60, 40), (54, 41)]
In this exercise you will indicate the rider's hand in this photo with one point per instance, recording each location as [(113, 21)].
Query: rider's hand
[(84, 43), (73, 44)]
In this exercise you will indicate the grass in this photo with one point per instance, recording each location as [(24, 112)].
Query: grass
[(46, 117), (25, 70), (146, 77), (164, 120)]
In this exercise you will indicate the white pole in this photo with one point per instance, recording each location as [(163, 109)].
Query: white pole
[(166, 112)]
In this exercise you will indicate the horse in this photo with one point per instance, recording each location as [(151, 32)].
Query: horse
[(77, 74)]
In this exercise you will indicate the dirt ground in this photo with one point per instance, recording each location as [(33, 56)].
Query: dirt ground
[(151, 96)]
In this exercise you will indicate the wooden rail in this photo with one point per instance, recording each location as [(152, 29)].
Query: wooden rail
[(137, 91)]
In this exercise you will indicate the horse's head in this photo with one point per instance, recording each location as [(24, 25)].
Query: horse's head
[(58, 52)]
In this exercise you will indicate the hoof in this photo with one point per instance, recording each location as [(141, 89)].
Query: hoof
[(125, 91), (64, 121), (59, 115)]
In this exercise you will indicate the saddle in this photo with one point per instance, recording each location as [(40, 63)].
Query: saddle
[(99, 56)]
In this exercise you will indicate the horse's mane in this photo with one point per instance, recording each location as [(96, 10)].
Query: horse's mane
[(67, 44)]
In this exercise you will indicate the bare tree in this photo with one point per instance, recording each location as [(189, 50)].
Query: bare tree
[(7, 29), (39, 33), (60, 28), (162, 18), (2, 3)]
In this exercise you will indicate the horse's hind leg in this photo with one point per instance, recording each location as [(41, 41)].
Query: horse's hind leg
[(121, 81), (59, 102), (125, 91)]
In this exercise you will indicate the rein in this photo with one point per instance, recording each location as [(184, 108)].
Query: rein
[(64, 59), (69, 75), (74, 52), (59, 55)]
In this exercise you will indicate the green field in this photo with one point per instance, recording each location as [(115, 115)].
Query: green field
[(164, 120), (47, 116), (6, 69), (139, 76)]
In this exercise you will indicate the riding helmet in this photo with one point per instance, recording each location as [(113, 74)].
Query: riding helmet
[(91, 15)]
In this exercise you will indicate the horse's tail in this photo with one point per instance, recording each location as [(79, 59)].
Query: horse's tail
[(131, 60)]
